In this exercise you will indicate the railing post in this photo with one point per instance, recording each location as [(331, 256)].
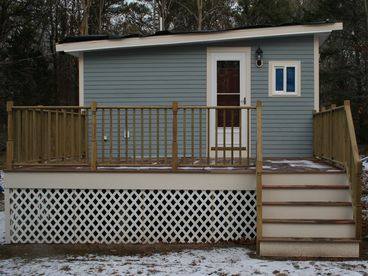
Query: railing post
[(314, 129), (354, 169), (10, 142), (174, 163), (259, 166), (94, 134), (331, 148)]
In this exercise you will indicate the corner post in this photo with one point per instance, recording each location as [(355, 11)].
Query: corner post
[(175, 136), (332, 126), (94, 134), (10, 141), (259, 166), (354, 170), (314, 129)]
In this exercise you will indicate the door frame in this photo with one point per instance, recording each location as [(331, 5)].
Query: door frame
[(212, 52)]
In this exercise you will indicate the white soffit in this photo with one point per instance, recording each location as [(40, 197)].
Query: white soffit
[(173, 39)]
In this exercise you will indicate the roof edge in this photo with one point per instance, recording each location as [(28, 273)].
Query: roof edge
[(190, 38)]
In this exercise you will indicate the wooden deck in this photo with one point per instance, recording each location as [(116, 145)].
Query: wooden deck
[(270, 165)]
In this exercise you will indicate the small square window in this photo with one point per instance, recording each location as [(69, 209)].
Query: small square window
[(284, 78)]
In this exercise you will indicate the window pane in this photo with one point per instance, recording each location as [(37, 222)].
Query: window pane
[(228, 78), (228, 100), (290, 79), (279, 79)]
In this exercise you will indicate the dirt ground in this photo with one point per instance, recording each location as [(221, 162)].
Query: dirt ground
[(60, 250)]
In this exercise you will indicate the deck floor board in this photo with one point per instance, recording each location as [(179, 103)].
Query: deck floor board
[(270, 165)]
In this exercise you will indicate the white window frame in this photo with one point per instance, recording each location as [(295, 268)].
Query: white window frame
[(272, 78)]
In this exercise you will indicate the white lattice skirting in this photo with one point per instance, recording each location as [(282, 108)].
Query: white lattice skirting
[(130, 216)]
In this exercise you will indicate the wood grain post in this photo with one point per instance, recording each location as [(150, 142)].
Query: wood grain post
[(314, 134), (94, 134), (174, 163), (332, 126), (259, 166), (355, 172), (9, 142)]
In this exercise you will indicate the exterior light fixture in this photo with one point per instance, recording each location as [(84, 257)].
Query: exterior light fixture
[(259, 61)]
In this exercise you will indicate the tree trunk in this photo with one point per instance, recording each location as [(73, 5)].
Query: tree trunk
[(101, 6), (86, 5), (200, 14)]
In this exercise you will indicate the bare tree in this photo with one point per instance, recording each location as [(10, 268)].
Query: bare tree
[(86, 7)]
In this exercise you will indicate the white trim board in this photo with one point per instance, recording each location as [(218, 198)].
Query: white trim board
[(130, 181), (174, 39), (316, 71), (81, 79)]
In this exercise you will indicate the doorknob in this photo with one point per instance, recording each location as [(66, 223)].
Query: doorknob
[(245, 101)]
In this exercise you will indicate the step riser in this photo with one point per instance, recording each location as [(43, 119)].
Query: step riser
[(307, 212), (277, 195), (305, 179), (298, 230), (309, 249)]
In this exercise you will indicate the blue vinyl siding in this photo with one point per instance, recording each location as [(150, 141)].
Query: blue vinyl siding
[(160, 75)]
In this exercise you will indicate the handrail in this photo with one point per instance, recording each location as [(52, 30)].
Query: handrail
[(41, 135), (334, 140), (50, 107)]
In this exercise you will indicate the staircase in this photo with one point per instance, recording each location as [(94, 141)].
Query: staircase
[(307, 215)]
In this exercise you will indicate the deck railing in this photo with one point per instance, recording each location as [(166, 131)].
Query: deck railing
[(113, 136), (47, 135), (334, 140)]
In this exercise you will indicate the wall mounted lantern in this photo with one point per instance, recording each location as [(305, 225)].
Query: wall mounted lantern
[(259, 54)]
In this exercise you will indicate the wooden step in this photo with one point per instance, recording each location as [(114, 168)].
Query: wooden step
[(309, 247), (307, 210), (298, 194), (302, 179), (306, 203), (340, 240), (310, 221), (308, 228), (307, 187)]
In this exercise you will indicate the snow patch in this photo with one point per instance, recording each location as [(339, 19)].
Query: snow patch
[(365, 165), (300, 163), (134, 168), (1, 181), (2, 227)]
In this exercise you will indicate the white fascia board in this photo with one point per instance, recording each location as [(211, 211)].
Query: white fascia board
[(175, 39)]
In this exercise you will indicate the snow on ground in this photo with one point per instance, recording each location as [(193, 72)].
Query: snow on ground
[(220, 261), (1, 181), (229, 261), (2, 228)]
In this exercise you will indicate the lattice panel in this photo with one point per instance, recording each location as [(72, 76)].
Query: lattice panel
[(130, 216)]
